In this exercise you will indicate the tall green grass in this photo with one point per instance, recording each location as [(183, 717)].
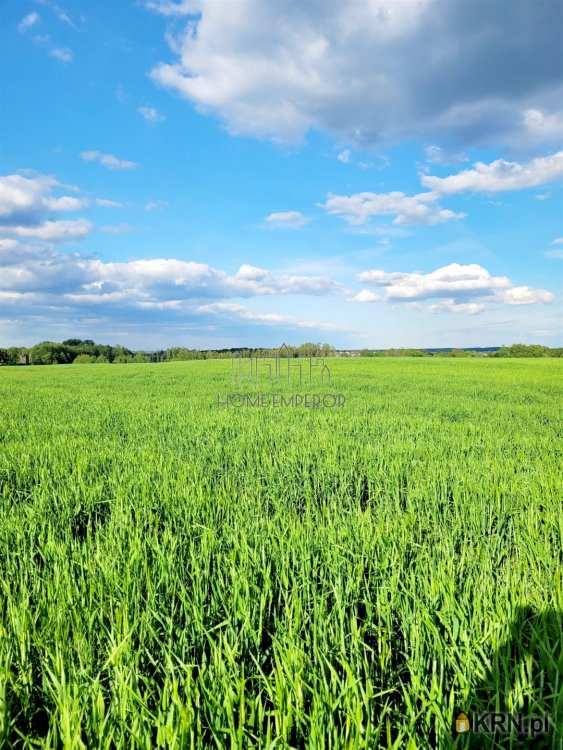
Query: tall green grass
[(179, 574)]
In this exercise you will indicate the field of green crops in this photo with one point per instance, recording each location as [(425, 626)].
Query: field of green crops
[(181, 574)]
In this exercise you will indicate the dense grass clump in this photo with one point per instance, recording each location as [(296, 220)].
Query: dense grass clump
[(181, 574)]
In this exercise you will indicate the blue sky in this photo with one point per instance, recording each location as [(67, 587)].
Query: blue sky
[(213, 174)]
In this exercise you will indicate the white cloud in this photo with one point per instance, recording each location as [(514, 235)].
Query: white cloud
[(158, 279), (259, 281), (407, 209), (240, 312), (368, 71), (523, 295), (105, 203), (26, 201), (365, 295), (450, 305), (384, 230), (443, 281), (499, 175), (6, 244), (558, 241), (31, 19), (382, 162), (153, 205), (61, 53), (288, 219), (65, 203), (544, 125), (21, 195), (150, 114), (37, 280), (423, 208), (169, 8), (50, 231), (456, 287), (59, 12), (251, 273), (438, 155), (123, 228), (108, 160)]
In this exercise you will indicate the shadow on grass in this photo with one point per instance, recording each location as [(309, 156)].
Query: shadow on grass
[(524, 682)]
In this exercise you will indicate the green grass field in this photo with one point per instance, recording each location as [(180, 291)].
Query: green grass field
[(180, 574)]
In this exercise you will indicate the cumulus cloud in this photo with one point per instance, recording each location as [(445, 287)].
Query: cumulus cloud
[(544, 125), (380, 163), (365, 296), (423, 208), (64, 203), (287, 219), (258, 281), (31, 19), (61, 53), (251, 273), (25, 197), (369, 70), (523, 295), (150, 114), (153, 205), (169, 8), (499, 176), (439, 155), (122, 228), (59, 12), (463, 279), (108, 160), (7, 245), (106, 203), (407, 209), (463, 288), (155, 280), (24, 203), (240, 312), (50, 231), (29, 22), (39, 280), (451, 305)]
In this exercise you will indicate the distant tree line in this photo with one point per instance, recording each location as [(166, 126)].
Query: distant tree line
[(393, 353), (516, 350), (421, 353), (86, 351), (528, 350)]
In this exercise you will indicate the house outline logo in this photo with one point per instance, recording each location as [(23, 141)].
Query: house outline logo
[(273, 367)]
